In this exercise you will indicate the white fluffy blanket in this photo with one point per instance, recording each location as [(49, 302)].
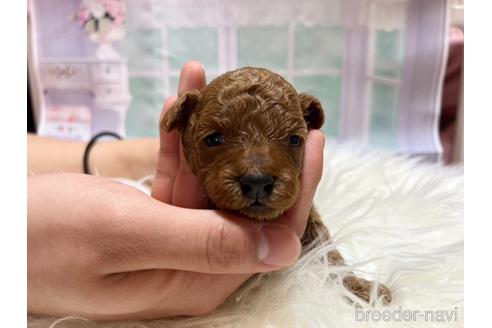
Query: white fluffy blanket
[(395, 219)]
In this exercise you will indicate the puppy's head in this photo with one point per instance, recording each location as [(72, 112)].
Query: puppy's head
[(243, 136)]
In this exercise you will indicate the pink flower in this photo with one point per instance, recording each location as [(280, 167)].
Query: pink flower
[(83, 15), (119, 20), (115, 9)]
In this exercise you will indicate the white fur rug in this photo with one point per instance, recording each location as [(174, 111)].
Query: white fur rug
[(395, 219)]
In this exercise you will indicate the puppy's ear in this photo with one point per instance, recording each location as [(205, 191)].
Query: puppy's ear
[(313, 112), (179, 113)]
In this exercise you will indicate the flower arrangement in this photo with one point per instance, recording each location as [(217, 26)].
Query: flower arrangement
[(102, 20)]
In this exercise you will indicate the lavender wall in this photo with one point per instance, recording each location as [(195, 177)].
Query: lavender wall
[(58, 34)]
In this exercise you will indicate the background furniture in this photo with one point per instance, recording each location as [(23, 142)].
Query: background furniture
[(77, 90), (376, 65)]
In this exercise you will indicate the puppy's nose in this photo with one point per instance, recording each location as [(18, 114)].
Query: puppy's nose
[(256, 186)]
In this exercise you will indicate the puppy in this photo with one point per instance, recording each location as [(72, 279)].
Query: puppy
[(243, 136)]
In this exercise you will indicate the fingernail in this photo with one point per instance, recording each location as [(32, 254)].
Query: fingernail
[(278, 246)]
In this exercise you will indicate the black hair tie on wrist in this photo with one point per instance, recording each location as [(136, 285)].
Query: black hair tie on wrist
[(91, 143)]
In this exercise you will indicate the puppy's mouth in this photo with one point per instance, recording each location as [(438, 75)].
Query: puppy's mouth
[(259, 211), (257, 206)]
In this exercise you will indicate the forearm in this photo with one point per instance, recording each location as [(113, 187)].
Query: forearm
[(131, 159)]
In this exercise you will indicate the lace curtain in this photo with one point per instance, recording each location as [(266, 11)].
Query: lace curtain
[(384, 14), (372, 63)]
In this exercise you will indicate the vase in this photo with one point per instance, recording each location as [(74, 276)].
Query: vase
[(105, 37)]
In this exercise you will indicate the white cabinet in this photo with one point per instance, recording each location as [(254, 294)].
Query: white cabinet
[(107, 72), (106, 80), (65, 75)]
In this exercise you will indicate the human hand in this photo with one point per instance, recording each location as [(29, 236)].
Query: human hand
[(174, 182), (103, 250)]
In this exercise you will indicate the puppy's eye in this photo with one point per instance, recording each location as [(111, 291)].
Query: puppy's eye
[(214, 139), (295, 141)]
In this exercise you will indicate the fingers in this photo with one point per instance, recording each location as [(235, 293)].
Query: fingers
[(172, 169), (153, 235), (312, 166), (168, 160), (296, 217), (192, 77), (173, 172), (188, 191), (219, 243)]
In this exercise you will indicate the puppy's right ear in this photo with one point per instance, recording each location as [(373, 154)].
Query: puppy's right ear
[(179, 113)]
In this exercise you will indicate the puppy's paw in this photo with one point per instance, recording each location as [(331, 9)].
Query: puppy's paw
[(362, 288)]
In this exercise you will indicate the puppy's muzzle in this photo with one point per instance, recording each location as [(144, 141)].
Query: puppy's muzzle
[(257, 187)]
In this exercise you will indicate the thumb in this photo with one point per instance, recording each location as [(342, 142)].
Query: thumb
[(296, 217), (313, 165), (162, 236)]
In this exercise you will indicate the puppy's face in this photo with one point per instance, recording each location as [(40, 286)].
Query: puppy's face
[(243, 136)]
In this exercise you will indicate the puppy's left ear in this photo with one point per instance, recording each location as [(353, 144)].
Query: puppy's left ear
[(178, 115), (313, 112)]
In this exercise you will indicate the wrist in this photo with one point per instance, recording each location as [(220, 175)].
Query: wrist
[(131, 159), (139, 156)]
